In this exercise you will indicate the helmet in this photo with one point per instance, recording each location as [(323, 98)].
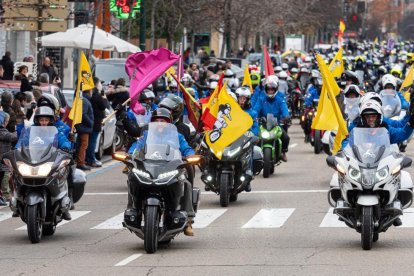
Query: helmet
[(285, 66), (382, 70), (352, 88), (44, 111), (244, 91), (278, 69), (360, 58), (214, 77), (187, 80), (228, 74), (173, 103), (173, 84), (51, 101), (315, 74), (191, 91), (255, 78), (370, 96), (410, 57), (396, 72), (371, 107), (162, 113), (146, 95), (350, 76), (283, 75), (213, 85), (294, 70), (389, 79), (304, 69), (271, 82)]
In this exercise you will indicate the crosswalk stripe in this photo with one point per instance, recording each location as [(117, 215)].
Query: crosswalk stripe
[(331, 220), (206, 216), (5, 215), (269, 218), (75, 215), (113, 223)]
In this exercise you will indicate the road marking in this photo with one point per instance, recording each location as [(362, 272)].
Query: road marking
[(75, 215), (5, 215), (205, 217), (110, 165), (113, 223), (407, 218), (269, 218), (128, 260), (331, 220), (293, 146), (211, 193)]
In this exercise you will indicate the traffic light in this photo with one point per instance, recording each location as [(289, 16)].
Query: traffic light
[(354, 18)]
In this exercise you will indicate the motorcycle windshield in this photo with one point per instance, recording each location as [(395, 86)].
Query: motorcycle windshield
[(271, 121), (371, 144), (391, 103), (351, 108), (37, 141), (143, 120), (162, 142)]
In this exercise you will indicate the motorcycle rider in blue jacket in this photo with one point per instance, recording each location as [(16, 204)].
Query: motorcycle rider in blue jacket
[(388, 81), (274, 103)]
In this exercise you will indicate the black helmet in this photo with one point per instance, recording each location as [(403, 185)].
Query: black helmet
[(44, 111), (161, 113), (146, 95), (173, 103)]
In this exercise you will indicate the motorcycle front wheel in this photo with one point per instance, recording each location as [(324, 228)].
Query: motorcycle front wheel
[(318, 141), (151, 229), (34, 223), (367, 227), (225, 179)]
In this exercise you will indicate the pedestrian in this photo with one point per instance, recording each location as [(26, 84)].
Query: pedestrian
[(6, 104), (121, 93), (18, 106), (84, 129), (195, 73), (99, 104), (23, 76), (44, 78), (6, 140), (8, 66), (186, 55), (47, 68)]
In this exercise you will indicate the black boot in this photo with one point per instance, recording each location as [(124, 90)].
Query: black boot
[(66, 215), (248, 188)]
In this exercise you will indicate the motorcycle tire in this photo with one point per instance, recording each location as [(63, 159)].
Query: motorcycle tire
[(120, 140), (267, 162), (367, 227), (225, 179), (151, 229), (318, 142), (49, 230), (233, 198), (34, 223)]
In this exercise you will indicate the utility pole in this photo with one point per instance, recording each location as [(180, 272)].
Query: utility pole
[(142, 27), (39, 35)]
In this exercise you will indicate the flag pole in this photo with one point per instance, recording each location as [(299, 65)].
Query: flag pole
[(114, 112)]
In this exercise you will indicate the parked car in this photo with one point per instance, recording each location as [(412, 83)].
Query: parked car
[(110, 69), (107, 137)]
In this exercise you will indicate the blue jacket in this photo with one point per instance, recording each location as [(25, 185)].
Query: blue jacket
[(276, 106), (255, 127), (258, 93), (311, 96), (185, 149), (63, 142), (62, 127), (86, 126), (404, 103)]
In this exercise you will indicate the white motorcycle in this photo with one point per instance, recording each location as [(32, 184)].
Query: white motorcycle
[(370, 190)]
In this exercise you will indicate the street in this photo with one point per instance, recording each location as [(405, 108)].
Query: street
[(283, 227)]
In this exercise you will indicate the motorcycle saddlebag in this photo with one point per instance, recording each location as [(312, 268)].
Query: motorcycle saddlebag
[(257, 160), (79, 181)]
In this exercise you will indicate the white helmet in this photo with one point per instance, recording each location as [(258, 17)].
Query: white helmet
[(389, 79), (232, 95), (283, 75), (371, 107), (285, 66), (352, 88), (315, 74), (273, 82), (278, 69), (213, 85), (243, 91), (370, 96)]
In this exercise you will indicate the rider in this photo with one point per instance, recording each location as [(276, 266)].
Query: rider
[(314, 93), (275, 103), (390, 82), (164, 115), (51, 101), (45, 116)]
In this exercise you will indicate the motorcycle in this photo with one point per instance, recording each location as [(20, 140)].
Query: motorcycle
[(370, 190), (123, 139), (40, 175), (158, 186), (314, 136), (227, 176), (271, 144)]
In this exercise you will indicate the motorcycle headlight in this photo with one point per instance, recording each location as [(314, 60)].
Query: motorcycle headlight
[(168, 174), (232, 152), (31, 171), (141, 173), (354, 174), (380, 175), (265, 134), (368, 177)]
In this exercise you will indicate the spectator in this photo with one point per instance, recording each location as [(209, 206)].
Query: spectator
[(23, 76), (195, 73), (186, 55), (44, 78), (47, 68), (29, 58), (8, 66), (212, 54), (6, 140), (6, 104), (18, 105), (99, 104), (228, 64), (1, 72), (121, 93), (84, 129)]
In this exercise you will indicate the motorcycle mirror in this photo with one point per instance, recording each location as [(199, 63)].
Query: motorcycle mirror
[(330, 160), (120, 156), (406, 162)]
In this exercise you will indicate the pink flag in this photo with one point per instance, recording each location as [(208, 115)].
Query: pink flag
[(143, 68)]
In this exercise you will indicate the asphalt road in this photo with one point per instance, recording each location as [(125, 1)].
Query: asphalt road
[(283, 227)]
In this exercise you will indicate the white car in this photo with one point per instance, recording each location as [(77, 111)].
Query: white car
[(107, 138)]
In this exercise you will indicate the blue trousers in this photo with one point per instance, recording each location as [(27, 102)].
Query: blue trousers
[(90, 152)]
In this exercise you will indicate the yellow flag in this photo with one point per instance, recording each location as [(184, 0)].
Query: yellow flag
[(376, 40), (85, 82), (246, 79), (231, 123), (406, 85), (329, 116), (171, 71), (337, 65)]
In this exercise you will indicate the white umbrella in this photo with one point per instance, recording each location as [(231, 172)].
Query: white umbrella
[(80, 37)]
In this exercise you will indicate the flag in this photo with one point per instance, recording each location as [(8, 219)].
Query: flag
[(193, 107), (218, 87), (85, 82), (329, 116), (406, 85), (342, 27), (246, 79), (231, 123), (145, 67), (376, 40), (268, 66), (337, 65), (208, 117)]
